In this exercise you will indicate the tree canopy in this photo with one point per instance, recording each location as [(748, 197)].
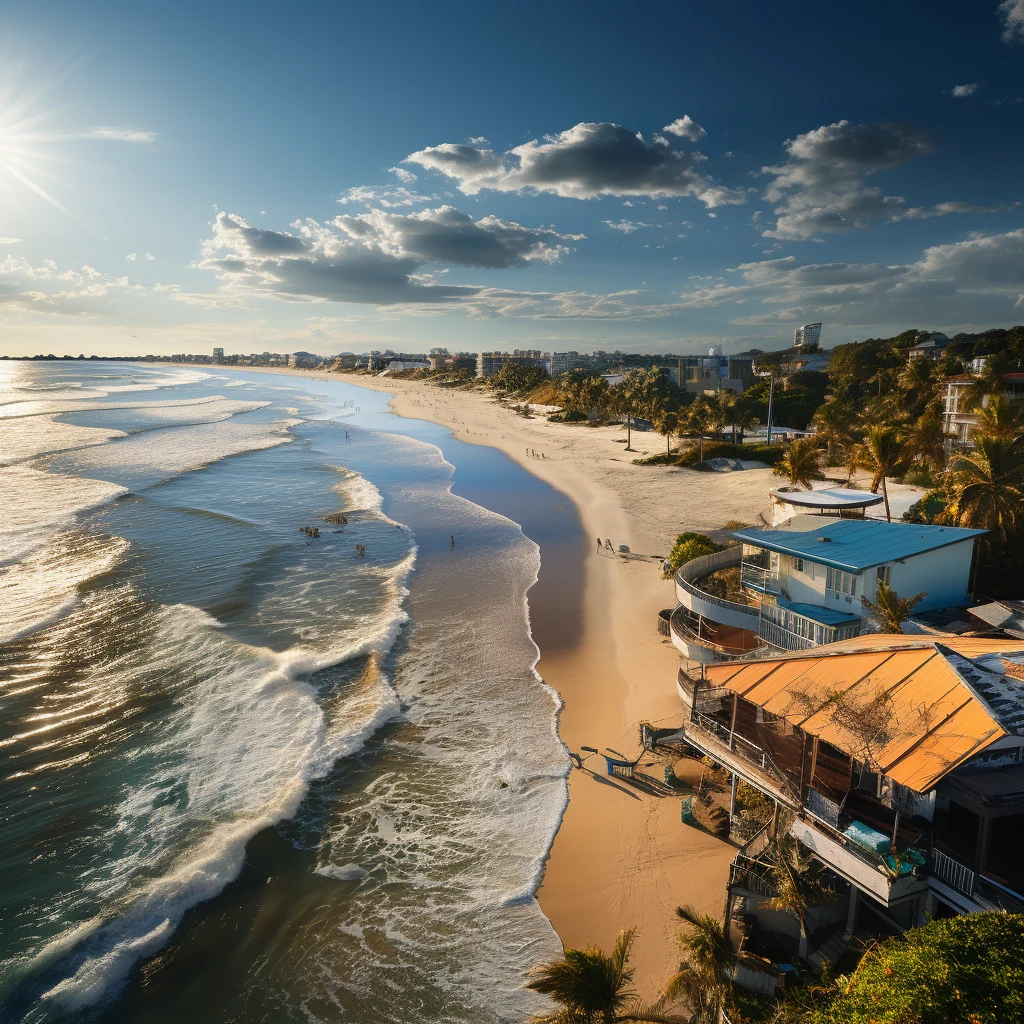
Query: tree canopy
[(960, 970)]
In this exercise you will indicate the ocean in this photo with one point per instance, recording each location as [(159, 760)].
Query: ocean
[(250, 773)]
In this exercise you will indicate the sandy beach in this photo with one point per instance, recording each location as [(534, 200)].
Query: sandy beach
[(621, 857)]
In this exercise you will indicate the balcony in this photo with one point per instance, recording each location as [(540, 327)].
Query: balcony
[(861, 867), (976, 892), (698, 641), (742, 757), (759, 578), (700, 602)]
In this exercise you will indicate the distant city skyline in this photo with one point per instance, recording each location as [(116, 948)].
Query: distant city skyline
[(575, 178)]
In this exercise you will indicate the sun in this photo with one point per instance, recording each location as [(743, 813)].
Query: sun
[(28, 150)]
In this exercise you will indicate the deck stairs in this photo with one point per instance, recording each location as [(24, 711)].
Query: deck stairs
[(830, 950)]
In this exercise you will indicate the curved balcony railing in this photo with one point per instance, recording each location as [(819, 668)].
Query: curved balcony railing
[(693, 597), (690, 636)]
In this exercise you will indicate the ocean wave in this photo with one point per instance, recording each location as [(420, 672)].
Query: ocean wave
[(183, 449), (34, 503), (45, 435), (43, 588), (244, 747)]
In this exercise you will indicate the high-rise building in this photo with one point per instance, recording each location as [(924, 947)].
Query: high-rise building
[(489, 363), (218, 354), (808, 336)]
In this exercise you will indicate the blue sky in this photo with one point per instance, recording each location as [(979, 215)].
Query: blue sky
[(345, 177)]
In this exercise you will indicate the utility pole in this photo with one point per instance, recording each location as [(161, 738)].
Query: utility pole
[(771, 396)]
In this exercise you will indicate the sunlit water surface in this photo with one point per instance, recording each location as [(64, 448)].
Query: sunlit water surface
[(249, 774)]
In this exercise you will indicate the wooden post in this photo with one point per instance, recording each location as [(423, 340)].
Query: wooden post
[(732, 797), (851, 913), (984, 839), (732, 720)]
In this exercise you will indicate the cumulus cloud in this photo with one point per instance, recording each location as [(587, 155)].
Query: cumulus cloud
[(822, 186), (46, 288), (945, 209), (10, 241), (403, 175), (388, 196), (627, 227), (378, 257), (965, 90), (446, 235), (584, 162), (1011, 12), (117, 134), (979, 280), (685, 128)]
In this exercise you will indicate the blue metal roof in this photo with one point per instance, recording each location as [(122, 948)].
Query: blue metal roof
[(818, 613), (853, 544)]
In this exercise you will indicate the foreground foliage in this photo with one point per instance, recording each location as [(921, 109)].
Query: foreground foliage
[(594, 987), (962, 970)]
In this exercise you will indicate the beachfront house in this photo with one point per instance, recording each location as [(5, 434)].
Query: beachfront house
[(959, 412), (803, 582), (895, 761)]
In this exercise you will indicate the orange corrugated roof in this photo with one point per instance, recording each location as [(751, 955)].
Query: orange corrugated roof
[(936, 719)]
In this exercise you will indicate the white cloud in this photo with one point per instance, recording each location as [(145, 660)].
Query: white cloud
[(821, 188), (583, 162), (1012, 14), (945, 209), (389, 196), (49, 289), (380, 258), (685, 128), (117, 134), (406, 177), (10, 241), (979, 280), (627, 227), (966, 90), (446, 235), (133, 256)]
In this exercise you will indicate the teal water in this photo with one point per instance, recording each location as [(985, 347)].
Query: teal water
[(250, 774)]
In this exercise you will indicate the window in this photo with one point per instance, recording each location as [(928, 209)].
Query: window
[(841, 582), (798, 564), (884, 574)]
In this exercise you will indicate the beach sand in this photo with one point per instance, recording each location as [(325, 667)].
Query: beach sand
[(621, 857)]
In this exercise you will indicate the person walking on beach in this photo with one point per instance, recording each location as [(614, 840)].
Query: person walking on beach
[(452, 548), (599, 544)]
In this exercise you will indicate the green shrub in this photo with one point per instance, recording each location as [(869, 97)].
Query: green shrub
[(689, 546), (659, 459), (766, 453), (960, 970), (569, 416), (927, 508)]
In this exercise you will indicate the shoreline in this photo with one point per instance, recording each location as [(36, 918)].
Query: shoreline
[(620, 857)]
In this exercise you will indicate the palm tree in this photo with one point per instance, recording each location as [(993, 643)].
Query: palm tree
[(890, 609), (1000, 416), (699, 419), (884, 454), (724, 404), (594, 987), (797, 885), (668, 424), (800, 463), (833, 422), (704, 979), (917, 381), (986, 487), (927, 440)]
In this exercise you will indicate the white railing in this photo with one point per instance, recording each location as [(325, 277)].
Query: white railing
[(758, 576), (953, 873), (691, 636)]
